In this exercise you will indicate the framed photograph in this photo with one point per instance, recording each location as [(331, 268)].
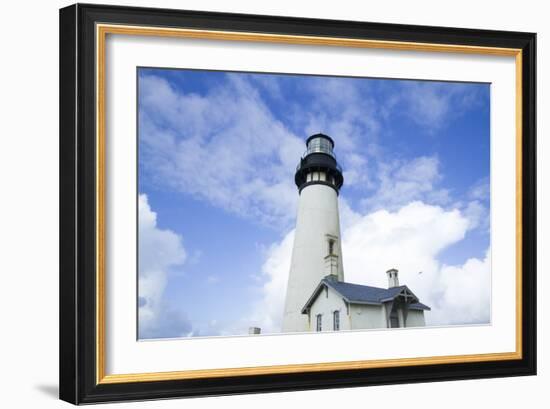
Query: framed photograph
[(257, 203)]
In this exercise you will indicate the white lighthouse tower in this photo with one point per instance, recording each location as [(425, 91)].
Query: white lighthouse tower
[(317, 250)]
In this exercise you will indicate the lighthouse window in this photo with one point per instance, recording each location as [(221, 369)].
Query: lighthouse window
[(320, 145), (309, 176), (336, 320), (331, 247), (323, 176), (319, 323)]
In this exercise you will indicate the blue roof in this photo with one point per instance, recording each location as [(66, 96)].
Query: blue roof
[(364, 294), (419, 306)]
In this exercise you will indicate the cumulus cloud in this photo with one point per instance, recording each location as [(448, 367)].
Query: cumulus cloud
[(268, 311), (409, 239), (159, 250), (465, 293)]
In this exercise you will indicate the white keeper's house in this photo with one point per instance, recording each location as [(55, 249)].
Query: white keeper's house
[(317, 297)]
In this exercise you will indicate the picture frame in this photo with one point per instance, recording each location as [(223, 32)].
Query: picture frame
[(83, 238)]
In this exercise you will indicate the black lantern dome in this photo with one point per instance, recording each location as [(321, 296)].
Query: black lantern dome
[(319, 165)]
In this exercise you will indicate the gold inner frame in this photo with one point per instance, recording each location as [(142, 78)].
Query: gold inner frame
[(101, 33)]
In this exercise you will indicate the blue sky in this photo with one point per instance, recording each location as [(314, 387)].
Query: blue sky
[(217, 154)]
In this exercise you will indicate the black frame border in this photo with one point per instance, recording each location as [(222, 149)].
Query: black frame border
[(77, 254)]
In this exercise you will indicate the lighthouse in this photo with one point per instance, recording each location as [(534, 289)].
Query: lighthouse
[(317, 251)]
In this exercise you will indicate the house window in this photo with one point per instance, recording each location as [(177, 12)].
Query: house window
[(319, 326), (336, 320)]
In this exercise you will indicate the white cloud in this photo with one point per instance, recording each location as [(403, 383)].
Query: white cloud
[(432, 104), (409, 239), (477, 214), (480, 190), (267, 312), (271, 84), (349, 113), (227, 147), (224, 147), (400, 182), (159, 250), (466, 293), (475, 206), (403, 181)]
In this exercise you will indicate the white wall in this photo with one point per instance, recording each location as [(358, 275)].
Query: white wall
[(317, 217), (29, 205), (326, 305), (368, 316), (415, 318)]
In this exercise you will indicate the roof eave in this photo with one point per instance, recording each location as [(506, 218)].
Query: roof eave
[(422, 308), (314, 296)]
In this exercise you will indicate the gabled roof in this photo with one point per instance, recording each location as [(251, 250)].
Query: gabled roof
[(364, 294)]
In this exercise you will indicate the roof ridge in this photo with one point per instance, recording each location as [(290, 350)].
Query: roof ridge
[(362, 285)]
